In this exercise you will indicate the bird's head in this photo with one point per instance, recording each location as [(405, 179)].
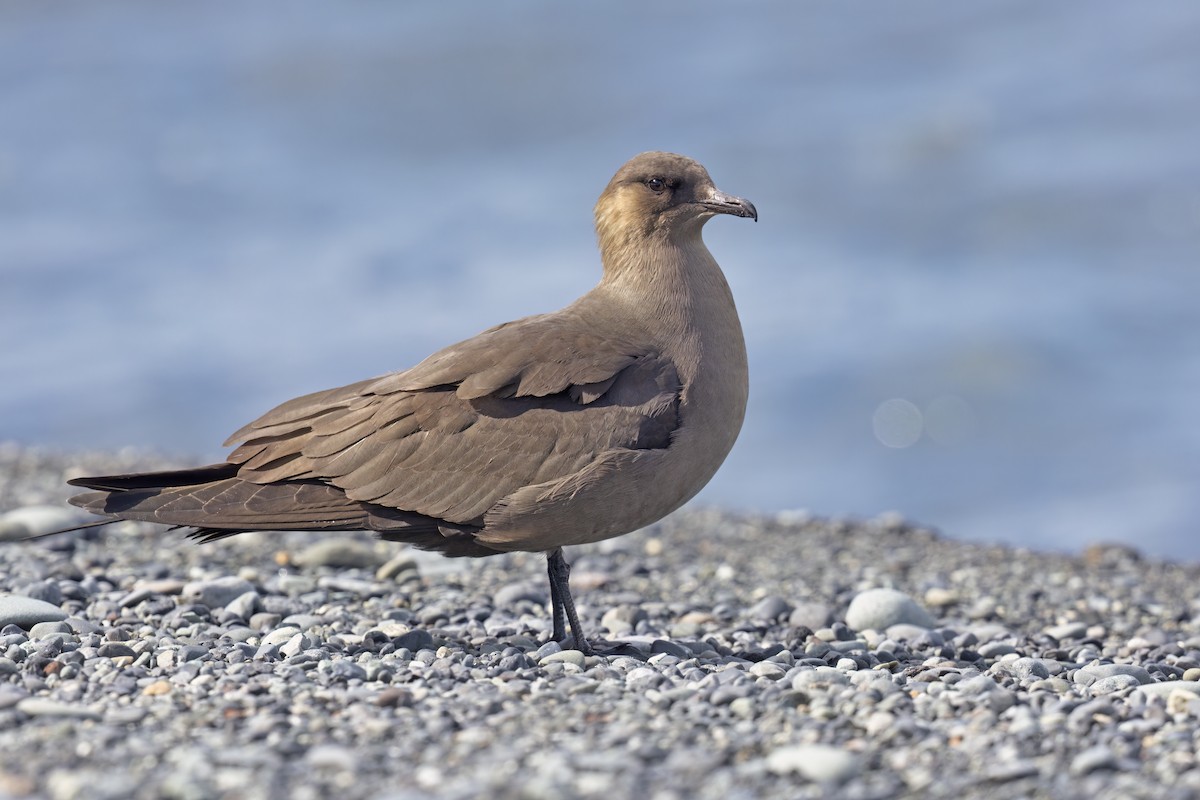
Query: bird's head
[(661, 195)]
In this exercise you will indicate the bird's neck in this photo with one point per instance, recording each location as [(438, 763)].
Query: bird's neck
[(670, 281), (674, 291)]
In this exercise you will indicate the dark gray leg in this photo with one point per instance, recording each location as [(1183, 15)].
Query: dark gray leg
[(562, 602), (556, 605)]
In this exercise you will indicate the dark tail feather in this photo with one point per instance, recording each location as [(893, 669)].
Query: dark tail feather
[(157, 480)]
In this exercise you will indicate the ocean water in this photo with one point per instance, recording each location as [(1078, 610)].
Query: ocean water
[(971, 298)]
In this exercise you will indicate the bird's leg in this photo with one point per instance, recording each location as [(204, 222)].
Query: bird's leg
[(559, 633), (560, 598)]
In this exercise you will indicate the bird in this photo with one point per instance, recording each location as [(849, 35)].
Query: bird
[(553, 430)]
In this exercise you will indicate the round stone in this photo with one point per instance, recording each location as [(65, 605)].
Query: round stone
[(25, 612), (879, 609)]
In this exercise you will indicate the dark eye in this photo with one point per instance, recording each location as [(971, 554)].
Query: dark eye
[(657, 185)]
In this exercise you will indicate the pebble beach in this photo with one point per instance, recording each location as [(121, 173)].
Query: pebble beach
[(747, 657)]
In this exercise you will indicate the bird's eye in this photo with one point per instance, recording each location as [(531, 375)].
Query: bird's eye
[(657, 185)]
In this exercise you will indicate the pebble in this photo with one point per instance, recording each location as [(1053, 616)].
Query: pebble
[(399, 566), (1169, 687), (280, 635), (816, 762), (810, 615), (44, 629), (879, 609), (769, 609), (1094, 758), (340, 551), (245, 605), (36, 520), (217, 592), (564, 657), (1090, 674), (1067, 630), (43, 707), (25, 612)]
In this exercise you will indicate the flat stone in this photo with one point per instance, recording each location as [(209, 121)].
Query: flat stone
[(1094, 672), (575, 657), (42, 707), (340, 551), (399, 566), (342, 583), (1068, 630), (115, 650), (25, 612), (1113, 683), (514, 593), (44, 629), (279, 636), (1092, 759), (1166, 688), (217, 592), (769, 609), (939, 597), (996, 649), (816, 762)]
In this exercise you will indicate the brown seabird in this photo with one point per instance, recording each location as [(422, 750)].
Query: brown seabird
[(553, 430)]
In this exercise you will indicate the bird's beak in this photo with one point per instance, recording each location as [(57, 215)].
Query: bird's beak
[(721, 203)]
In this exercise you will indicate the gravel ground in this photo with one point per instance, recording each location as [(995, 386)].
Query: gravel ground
[(760, 657)]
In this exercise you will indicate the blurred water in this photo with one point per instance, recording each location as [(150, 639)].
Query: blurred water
[(979, 237)]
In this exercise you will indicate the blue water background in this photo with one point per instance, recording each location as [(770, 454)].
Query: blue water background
[(972, 296)]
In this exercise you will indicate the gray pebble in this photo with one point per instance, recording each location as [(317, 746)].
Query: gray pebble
[(904, 632), (26, 612), (280, 635), (623, 619), (263, 620), (217, 592), (1094, 758), (565, 657), (414, 640), (400, 566), (1113, 683), (43, 707), (45, 629), (37, 520), (245, 605), (115, 650), (769, 609), (297, 644), (515, 593), (1165, 688), (816, 762), (341, 583), (996, 649), (879, 609), (1068, 630), (340, 551), (1093, 672), (810, 615)]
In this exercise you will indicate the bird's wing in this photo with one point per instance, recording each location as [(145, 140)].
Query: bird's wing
[(531, 357), (519, 405)]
